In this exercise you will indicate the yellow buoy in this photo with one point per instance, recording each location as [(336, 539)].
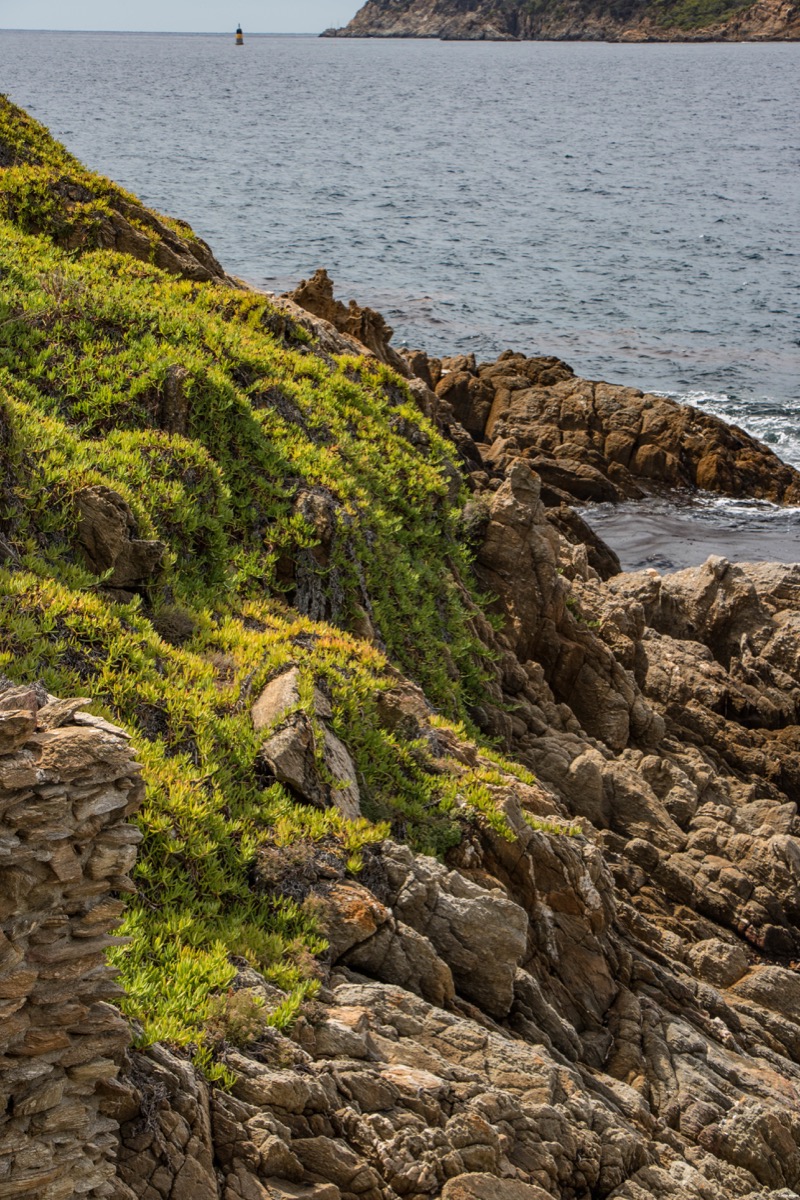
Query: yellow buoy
[(239, 36)]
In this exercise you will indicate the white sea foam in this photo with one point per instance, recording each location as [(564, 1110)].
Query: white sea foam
[(773, 422)]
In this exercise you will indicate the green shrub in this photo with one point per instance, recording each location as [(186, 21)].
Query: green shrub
[(278, 477)]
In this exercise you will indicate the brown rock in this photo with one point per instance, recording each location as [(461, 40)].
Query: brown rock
[(470, 398), (364, 324), (279, 696), (107, 535), (721, 963), (332, 1160), (16, 728), (290, 755), (281, 1189), (480, 1186)]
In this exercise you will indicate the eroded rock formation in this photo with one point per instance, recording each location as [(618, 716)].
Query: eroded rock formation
[(605, 1003), (368, 327), (598, 441), (594, 995)]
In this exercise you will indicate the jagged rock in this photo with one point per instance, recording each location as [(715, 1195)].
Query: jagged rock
[(600, 557), (366, 935), (279, 1189), (595, 442), (481, 935), (721, 963), (774, 988), (28, 699), (597, 994), (364, 324), (518, 562), (469, 397), (332, 1160), (290, 752), (344, 791), (423, 366), (16, 728), (107, 534)]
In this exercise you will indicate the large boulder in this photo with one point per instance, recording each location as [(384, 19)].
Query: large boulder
[(108, 537), (293, 751), (480, 934)]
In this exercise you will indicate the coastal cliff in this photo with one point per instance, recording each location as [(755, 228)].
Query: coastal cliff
[(576, 20), (468, 866)]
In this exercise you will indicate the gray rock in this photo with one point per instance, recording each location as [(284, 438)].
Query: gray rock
[(721, 963)]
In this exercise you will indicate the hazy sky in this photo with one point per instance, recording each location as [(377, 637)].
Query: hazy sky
[(257, 16)]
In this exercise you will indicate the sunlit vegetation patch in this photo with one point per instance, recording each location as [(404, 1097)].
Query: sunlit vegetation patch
[(297, 498)]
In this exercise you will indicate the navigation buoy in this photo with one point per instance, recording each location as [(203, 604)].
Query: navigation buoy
[(239, 36)]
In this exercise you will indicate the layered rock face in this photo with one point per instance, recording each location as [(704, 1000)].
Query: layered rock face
[(577, 20), (68, 783)]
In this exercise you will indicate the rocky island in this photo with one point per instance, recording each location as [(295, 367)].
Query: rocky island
[(366, 833), (576, 20)]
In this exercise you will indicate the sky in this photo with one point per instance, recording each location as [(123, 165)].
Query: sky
[(190, 16)]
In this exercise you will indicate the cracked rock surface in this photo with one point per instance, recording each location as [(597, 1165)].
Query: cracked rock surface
[(601, 1000)]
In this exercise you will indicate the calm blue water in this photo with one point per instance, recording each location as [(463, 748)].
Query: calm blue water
[(634, 209)]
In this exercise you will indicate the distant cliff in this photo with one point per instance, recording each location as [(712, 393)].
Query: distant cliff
[(576, 20)]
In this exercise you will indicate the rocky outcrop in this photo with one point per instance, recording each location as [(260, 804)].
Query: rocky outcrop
[(592, 993), (302, 750), (605, 1007), (68, 783), (596, 993), (82, 211), (577, 20), (598, 442), (109, 542), (129, 228), (622, 1070), (365, 325)]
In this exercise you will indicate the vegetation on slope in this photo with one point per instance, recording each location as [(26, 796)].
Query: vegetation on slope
[(271, 434), (686, 15), (535, 19)]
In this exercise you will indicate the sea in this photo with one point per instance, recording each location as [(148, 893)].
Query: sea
[(633, 209)]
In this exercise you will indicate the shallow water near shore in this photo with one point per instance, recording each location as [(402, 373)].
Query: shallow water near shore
[(670, 533), (633, 209)]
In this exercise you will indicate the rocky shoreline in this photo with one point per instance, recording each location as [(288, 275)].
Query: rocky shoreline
[(591, 990), (575, 20), (605, 1005)]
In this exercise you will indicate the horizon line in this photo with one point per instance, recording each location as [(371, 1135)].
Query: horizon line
[(172, 32)]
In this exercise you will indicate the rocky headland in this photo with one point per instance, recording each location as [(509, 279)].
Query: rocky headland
[(575, 20), (468, 866)]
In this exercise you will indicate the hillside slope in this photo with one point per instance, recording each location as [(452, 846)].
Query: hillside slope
[(470, 867), (190, 488), (577, 20)]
